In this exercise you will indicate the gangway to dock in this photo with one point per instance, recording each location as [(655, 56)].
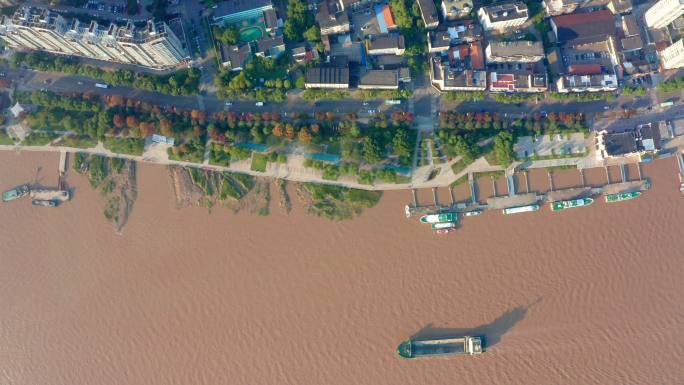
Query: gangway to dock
[(473, 188), (680, 163), (623, 172), (62, 162)]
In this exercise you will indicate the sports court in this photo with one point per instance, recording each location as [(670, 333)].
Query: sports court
[(251, 29)]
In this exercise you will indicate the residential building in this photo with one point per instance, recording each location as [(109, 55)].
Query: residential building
[(379, 80), (438, 41), (663, 13), (271, 47), (234, 11), (386, 45), (503, 16), (643, 138), (234, 57), (441, 40), (515, 51), (428, 12), (517, 81), (327, 77), (560, 7), (331, 18), (588, 50), (461, 69), (456, 9), (591, 82), (619, 7), (673, 56), (153, 45)]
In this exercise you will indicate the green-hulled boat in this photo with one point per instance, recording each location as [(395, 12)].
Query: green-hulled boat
[(610, 198), (440, 347), (16, 193), (562, 205), (437, 218)]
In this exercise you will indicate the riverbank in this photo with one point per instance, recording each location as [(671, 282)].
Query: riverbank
[(563, 298)]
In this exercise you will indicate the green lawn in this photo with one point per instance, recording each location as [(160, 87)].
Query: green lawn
[(130, 146), (79, 141), (259, 162), (39, 139), (5, 139)]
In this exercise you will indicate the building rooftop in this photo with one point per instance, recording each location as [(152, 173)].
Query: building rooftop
[(585, 69), (578, 28), (620, 143), (233, 56), (380, 78), (457, 7), (439, 39), (330, 15), (516, 49), (271, 45), (327, 75), (632, 43), (386, 42), (428, 11), (230, 7), (506, 11), (629, 25)]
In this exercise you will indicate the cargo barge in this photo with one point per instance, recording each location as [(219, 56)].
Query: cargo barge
[(568, 204), (440, 347)]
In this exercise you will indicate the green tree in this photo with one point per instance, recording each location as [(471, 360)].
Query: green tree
[(503, 148), (371, 151), (313, 34), (230, 35), (300, 82), (298, 20), (400, 144)]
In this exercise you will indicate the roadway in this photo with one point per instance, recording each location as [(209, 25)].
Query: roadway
[(422, 104)]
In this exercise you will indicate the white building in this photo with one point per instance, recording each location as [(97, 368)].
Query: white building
[(503, 16), (153, 45), (673, 56), (663, 13)]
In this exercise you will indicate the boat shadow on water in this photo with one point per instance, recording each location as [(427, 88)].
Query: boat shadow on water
[(491, 333)]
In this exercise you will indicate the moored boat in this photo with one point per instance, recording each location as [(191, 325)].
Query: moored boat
[(445, 231), (611, 198), (44, 203), (436, 218), (16, 193), (562, 205), (473, 213), (443, 225), (521, 209)]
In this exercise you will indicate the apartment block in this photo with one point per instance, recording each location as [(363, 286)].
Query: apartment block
[(154, 45), (663, 13), (503, 16), (673, 56)]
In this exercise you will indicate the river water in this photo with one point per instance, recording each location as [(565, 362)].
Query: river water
[(184, 296)]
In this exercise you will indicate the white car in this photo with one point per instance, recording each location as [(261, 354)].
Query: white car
[(259, 104), (228, 104)]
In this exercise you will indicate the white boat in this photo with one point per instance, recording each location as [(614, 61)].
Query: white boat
[(443, 225), (472, 213), (521, 209)]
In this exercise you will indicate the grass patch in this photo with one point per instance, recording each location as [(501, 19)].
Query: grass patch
[(559, 168), (460, 165), (459, 181), (5, 139), (130, 146), (78, 141), (259, 162), (493, 174), (336, 202), (39, 138)]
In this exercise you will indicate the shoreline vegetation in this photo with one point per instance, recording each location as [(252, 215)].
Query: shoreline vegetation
[(116, 180)]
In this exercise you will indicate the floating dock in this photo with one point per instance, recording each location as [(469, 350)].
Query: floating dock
[(572, 193), (513, 201), (625, 187)]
